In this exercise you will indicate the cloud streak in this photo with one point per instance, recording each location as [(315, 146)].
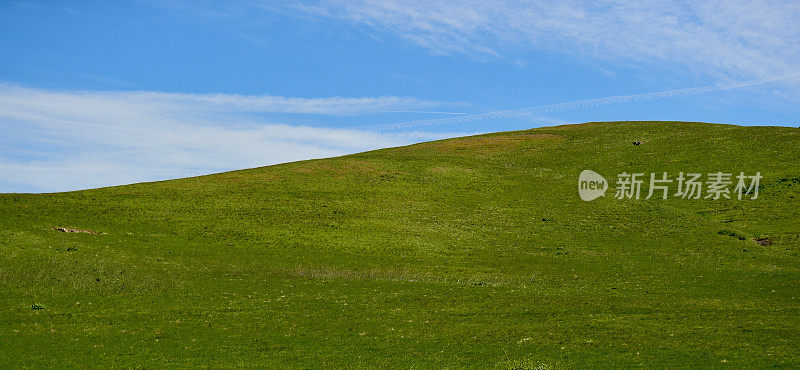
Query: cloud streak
[(150, 101), (583, 104)]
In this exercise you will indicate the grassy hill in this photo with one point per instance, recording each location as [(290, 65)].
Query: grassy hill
[(474, 251)]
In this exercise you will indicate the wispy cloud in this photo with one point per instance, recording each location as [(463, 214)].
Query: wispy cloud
[(583, 104), (120, 102), (66, 140), (723, 38)]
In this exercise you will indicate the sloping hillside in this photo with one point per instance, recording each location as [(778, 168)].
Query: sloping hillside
[(470, 251)]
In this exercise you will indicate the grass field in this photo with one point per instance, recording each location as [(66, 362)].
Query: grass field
[(474, 251)]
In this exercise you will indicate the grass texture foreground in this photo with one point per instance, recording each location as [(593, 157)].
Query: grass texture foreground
[(473, 251)]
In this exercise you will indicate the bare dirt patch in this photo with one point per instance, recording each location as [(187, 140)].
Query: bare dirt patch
[(764, 242), (78, 231)]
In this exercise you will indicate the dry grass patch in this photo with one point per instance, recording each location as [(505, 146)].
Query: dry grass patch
[(491, 143)]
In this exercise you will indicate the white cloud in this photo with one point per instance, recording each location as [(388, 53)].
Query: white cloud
[(724, 39), (66, 140)]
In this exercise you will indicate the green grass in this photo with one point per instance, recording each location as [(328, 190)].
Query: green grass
[(473, 251)]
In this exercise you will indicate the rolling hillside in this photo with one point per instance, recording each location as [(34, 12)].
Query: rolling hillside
[(474, 251)]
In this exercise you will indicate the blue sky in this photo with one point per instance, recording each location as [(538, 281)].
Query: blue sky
[(98, 93)]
